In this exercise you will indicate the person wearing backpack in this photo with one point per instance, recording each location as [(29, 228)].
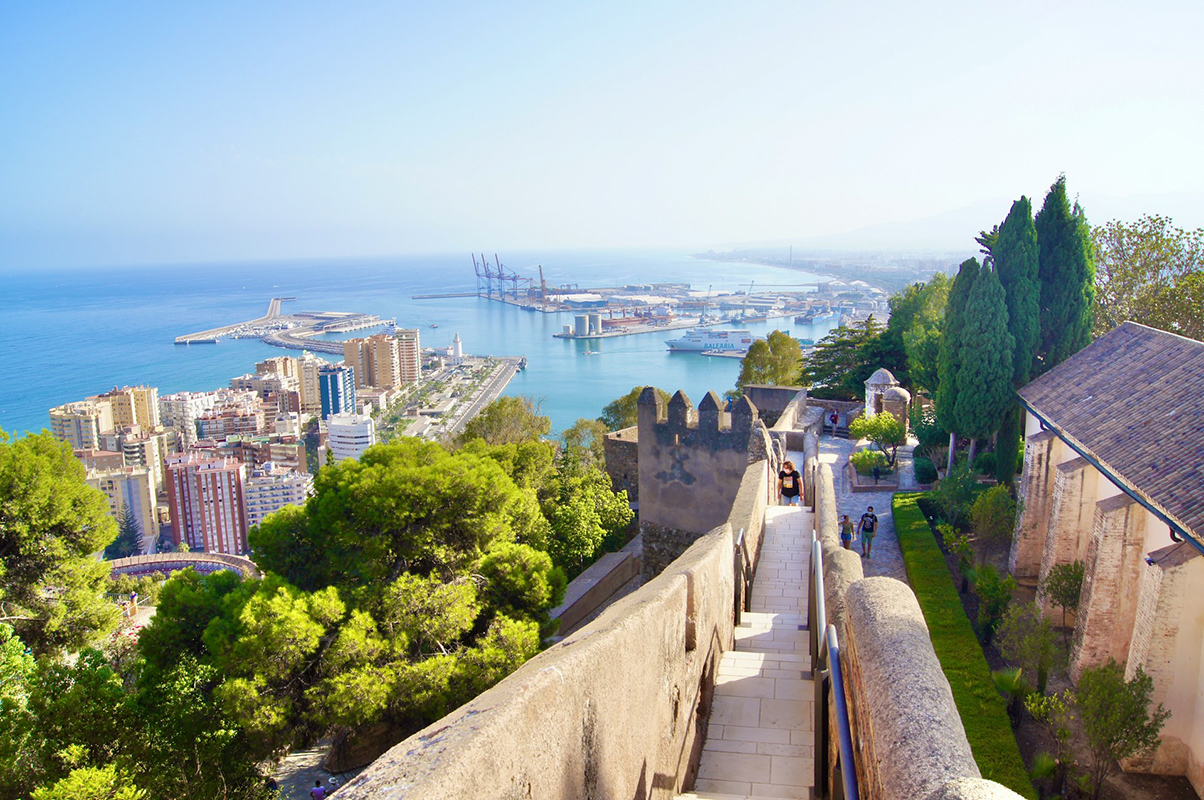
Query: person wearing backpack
[(869, 528)]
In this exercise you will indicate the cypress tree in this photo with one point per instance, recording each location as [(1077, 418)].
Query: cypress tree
[(984, 375), (950, 354), (1015, 253), (1066, 272)]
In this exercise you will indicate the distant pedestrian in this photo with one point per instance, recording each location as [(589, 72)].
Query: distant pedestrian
[(318, 792), (868, 526), (789, 482), (846, 532), (834, 419)]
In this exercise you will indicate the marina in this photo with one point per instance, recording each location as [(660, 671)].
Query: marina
[(294, 331)]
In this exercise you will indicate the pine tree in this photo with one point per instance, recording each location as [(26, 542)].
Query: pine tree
[(950, 355), (129, 536), (984, 375), (1066, 272), (1015, 253)]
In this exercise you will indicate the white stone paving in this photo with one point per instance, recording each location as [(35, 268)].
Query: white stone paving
[(759, 740)]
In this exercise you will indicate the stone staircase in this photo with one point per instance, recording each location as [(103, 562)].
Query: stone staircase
[(760, 741)]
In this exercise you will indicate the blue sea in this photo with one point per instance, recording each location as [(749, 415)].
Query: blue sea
[(66, 334)]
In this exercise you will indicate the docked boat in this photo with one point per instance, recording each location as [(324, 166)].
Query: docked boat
[(699, 340), (817, 319)]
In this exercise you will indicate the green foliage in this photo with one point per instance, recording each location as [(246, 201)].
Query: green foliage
[(1055, 713), (147, 586), (583, 443), (1012, 685), (921, 333), (1026, 638), (17, 673), (585, 517), (864, 462), (774, 361), (926, 429), (993, 517), (623, 412), (843, 361), (1116, 716), (983, 713), (507, 420), (1149, 271), (955, 492), (984, 463), (924, 469), (129, 536), (1063, 586), (884, 431), (1066, 271), (51, 522), (1016, 256), (994, 595), (984, 372), (950, 358), (88, 783), (521, 582), (1009, 455)]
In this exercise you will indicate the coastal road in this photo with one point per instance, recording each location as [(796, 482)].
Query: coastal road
[(490, 390)]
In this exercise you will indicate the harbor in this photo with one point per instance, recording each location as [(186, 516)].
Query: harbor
[(293, 331)]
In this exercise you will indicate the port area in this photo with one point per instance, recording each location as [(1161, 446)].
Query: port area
[(294, 331)]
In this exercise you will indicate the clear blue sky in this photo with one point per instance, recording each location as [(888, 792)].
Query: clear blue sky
[(155, 132)]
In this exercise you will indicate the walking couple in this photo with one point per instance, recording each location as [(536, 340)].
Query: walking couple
[(867, 528)]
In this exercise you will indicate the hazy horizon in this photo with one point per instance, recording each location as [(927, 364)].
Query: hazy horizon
[(145, 134)]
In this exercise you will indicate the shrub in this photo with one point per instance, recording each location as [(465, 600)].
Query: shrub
[(954, 493), (884, 430), (984, 463), (994, 594), (925, 469), (982, 710), (993, 517), (864, 462), (1116, 718), (1027, 639), (1063, 586)]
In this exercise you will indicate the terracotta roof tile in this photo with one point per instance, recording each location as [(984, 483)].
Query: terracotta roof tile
[(1134, 399)]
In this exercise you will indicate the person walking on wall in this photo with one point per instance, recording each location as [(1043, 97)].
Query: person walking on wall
[(868, 527), (789, 483), (846, 532)]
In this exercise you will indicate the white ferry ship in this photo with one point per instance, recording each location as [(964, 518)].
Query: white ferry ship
[(699, 340)]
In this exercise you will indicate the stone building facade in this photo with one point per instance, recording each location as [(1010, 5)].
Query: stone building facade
[(1113, 455)]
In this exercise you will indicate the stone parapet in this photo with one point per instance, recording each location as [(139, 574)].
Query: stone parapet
[(911, 743)]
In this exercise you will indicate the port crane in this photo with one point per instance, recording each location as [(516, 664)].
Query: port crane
[(500, 275)]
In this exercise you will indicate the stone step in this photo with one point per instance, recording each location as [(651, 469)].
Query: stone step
[(697, 795)]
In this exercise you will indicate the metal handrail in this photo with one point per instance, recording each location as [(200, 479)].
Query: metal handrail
[(743, 570), (827, 675)]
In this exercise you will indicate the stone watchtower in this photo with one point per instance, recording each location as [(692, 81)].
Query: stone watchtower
[(690, 467)]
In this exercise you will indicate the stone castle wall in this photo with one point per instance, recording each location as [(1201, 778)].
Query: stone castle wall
[(622, 461)]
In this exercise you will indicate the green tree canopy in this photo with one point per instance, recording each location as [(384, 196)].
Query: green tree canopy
[(1117, 719), (774, 361), (129, 535), (623, 412), (507, 420), (922, 336), (584, 443), (51, 522), (884, 431), (984, 375), (1152, 272), (843, 361), (950, 361), (1066, 271)]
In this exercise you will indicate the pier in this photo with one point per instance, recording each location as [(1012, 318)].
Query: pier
[(291, 331)]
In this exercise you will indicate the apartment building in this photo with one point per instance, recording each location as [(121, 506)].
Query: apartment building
[(205, 497), (133, 405), (133, 488), (336, 383), (82, 423), (409, 355), (271, 487), (349, 435), (308, 385), (232, 420)]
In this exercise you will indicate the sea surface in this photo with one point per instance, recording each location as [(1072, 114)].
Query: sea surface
[(66, 334)]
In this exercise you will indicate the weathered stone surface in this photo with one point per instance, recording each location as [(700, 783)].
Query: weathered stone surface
[(622, 451), (1028, 539), (912, 741), (973, 789), (1071, 512)]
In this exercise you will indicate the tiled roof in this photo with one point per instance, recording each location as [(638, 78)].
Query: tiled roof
[(1134, 400)]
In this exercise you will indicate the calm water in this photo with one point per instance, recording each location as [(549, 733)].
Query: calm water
[(68, 334)]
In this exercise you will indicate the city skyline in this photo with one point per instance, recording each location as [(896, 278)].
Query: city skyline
[(152, 135)]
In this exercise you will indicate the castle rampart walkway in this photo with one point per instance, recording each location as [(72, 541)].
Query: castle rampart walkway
[(760, 740)]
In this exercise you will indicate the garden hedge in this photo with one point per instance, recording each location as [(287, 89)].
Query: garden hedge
[(983, 711)]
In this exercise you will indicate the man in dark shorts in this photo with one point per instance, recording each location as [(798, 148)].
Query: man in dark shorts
[(789, 483), (868, 526)]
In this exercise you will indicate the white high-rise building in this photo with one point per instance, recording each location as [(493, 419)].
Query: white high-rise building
[(81, 424), (271, 488), (349, 435)]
